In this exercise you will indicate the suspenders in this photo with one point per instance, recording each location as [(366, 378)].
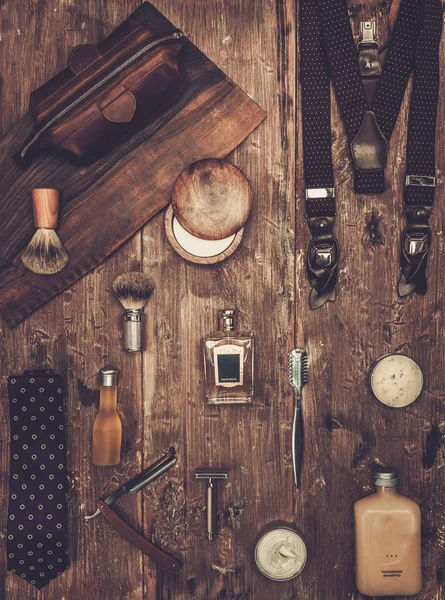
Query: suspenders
[(369, 97)]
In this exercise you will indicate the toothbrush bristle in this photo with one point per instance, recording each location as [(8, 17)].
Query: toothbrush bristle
[(298, 368)]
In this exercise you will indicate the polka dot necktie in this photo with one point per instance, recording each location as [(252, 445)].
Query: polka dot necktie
[(37, 539)]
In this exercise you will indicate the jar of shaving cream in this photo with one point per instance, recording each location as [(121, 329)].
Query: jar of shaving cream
[(396, 380), (281, 554)]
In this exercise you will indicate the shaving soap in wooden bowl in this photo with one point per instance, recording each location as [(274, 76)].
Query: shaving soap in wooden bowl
[(396, 380), (211, 202)]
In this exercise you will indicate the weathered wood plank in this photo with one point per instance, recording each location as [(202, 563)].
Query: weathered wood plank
[(162, 396), (252, 442), (347, 431)]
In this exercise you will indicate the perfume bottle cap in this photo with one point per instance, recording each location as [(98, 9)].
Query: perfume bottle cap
[(386, 477), (227, 320), (109, 377)]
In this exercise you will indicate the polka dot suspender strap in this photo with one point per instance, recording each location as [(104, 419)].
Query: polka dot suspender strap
[(420, 154), (37, 547), (328, 52), (322, 256)]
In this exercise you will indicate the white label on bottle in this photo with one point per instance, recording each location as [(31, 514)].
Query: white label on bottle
[(229, 365)]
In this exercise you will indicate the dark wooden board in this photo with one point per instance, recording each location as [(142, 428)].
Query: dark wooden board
[(104, 204), (161, 394)]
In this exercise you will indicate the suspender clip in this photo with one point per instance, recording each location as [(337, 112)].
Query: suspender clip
[(416, 237), (367, 33), (322, 261), (416, 243), (420, 181), (312, 193)]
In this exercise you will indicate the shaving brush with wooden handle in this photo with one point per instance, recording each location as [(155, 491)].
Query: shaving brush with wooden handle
[(45, 254)]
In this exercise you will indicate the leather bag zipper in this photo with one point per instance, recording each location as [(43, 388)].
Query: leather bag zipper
[(176, 35)]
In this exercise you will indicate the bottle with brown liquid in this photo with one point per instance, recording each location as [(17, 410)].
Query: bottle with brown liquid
[(107, 430), (387, 540)]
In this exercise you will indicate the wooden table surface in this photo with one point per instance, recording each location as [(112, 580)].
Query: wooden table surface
[(161, 391)]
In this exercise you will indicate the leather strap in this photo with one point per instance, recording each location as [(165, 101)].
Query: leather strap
[(137, 540)]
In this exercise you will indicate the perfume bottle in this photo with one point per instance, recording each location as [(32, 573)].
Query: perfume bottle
[(387, 540), (228, 363)]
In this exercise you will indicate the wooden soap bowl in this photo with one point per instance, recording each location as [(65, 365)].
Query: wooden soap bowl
[(212, 199)]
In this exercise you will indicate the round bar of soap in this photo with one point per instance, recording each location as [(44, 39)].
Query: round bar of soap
[(212, 199), (281, 554), (396, 380)]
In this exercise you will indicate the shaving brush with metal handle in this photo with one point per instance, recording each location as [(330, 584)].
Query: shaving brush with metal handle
[(133, 290), (298, 374)]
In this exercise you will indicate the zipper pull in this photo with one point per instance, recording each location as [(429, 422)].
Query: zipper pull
[(178, 34)]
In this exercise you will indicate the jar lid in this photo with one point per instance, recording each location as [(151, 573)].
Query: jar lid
[(212, 199), (396, 380)]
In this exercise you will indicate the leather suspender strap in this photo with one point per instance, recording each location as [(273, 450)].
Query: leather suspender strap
[(420, 161)]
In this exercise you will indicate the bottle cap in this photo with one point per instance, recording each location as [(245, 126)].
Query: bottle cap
[(386, 477), (227, 320), (109, 377)]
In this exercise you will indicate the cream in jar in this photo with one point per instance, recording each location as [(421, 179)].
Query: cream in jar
[(281, 554)]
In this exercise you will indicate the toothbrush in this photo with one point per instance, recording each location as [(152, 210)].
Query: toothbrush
[(298, 372)]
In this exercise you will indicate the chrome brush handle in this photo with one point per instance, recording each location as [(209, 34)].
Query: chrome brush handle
[(297, 437), (132, 334)]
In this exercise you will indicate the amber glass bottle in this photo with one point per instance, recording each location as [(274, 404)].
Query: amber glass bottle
[(107, 430), (387, 540)]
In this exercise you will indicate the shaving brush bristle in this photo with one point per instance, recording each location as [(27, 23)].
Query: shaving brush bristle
[(45, 253), (133, 289)]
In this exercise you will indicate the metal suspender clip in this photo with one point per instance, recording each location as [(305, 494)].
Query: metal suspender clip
[(416, 242), (420, 180), (367, 33), (322, 261), (322, 256), (320, 193)]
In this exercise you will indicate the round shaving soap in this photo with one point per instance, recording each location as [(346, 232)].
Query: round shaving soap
[(280, 554), (396, 380)]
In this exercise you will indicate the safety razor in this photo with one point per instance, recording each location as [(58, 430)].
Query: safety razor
[(211, 475)]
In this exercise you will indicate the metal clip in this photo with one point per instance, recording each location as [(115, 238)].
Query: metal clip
[(319, 193), (325, 254), (416, 242), (420, 180), (367, 33)]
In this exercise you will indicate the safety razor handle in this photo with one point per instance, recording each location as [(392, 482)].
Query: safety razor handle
[(211, 512)]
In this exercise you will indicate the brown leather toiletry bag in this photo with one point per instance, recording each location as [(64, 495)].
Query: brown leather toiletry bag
[(107, 93)]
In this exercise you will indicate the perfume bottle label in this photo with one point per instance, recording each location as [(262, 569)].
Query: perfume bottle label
[(229, 365)]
